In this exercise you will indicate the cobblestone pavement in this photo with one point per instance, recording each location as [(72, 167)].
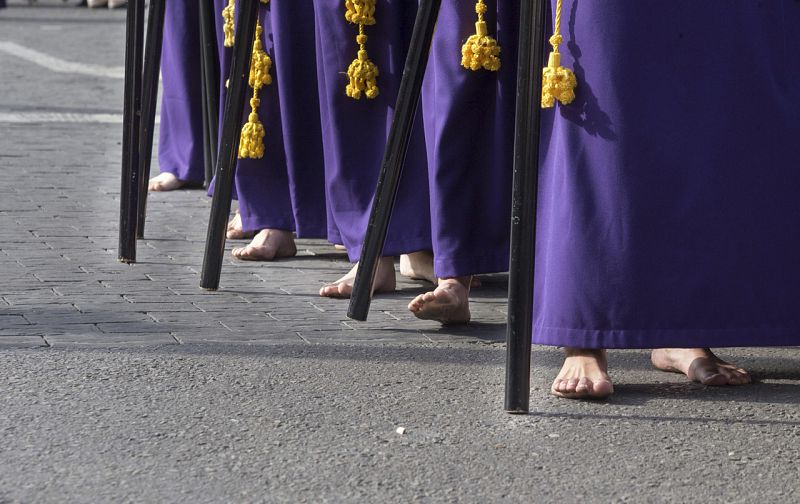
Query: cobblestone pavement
[(59, 218), (129, 383)]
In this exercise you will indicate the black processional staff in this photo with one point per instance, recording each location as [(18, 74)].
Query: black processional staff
[(152, 66), (248, 64), (536, 89), (523, 206), (141, 94), (397, 145), (479, 52), (526, 170), (209, 66), (394, 156), (129, 194), (210, 74)]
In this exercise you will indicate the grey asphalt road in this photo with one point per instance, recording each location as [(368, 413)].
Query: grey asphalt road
[(318, 423), (127, 383)]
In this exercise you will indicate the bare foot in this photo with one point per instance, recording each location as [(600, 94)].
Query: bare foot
[(385, 280), (699, 365), (339, 246), (235, 229), (584, 375), (165, 182), (448, 303), (418, 265), (267, 245)]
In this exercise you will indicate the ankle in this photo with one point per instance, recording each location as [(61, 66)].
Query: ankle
[(386, 263), (464, 281), (597, 353)]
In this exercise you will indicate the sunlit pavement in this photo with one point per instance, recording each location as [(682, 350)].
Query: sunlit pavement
[(129, 383)]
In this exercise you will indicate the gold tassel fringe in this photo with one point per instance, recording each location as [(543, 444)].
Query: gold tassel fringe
[(227, 27), (228, 15), (251, 144), (362, 72), (558, 83), (481, 50)]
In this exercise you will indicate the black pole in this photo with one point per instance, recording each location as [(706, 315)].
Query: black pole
[(152, 67), (207, 161), (229, 145), (210, 67), (523, 206), (394, 157), (129, 193)]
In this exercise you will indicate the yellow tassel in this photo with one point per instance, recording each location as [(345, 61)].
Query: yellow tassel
[(228, 14), (481, 50), (260, 63), (558, 83), (360, 12), (251, 144), (362, 73)]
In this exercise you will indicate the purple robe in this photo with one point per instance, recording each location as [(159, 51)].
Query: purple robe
[(284, 189), (294, 47), (668, 202), (180, 146), (355, 131), (469, 129)]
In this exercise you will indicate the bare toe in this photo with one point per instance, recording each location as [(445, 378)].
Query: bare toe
[(330, 290), (583, 376), (267, 245), (164, 182), (583, 386), (385, 280), (448, 303), (602, 388), (699, 365)]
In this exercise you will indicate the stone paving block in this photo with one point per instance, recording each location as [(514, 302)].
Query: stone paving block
[(362, 337), (27, 285), (235, 338), (39, 299), (79, 288), (98, 317), (24, 330), (12, 321), (60, 276), (262, 326), (481, 331), (110, 340), (196, 318), (125, 306), (145, 326), (57, 232), (49, 310), (7, 342), (199, 298)]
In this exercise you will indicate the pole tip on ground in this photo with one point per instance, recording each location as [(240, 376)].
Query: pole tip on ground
[(359, 315)]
